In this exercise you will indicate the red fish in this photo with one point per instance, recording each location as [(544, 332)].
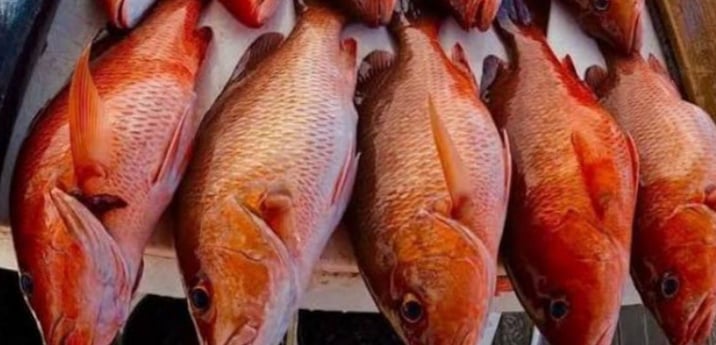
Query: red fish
[(98, 169), (252, 13), (473, 13), (566, 244), (616, 22), (272, 175), (433, 185), (125, 14), (371, 12), (674, 247)]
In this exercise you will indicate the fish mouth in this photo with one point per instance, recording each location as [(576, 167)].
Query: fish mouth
[(604, 338), (699, 327), (126, 14), (486, 12), (635, 34)]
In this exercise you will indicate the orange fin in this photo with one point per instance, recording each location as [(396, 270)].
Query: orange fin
[(257, 52), (92, 237), (349, 47), (277, 209), (657, 66), (660, 69), (596, 78), (176, 156), (710, 196), (459, 58), (492, 68), (372, 72), (636, 166), (454, 170), (90, 128), (343, 188), (507, 153), (568, 63), (597, 170)]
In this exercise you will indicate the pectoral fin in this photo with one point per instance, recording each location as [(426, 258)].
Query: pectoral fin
[(455, 173), (90, 127)]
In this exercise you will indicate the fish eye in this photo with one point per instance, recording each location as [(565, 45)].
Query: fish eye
[(411, 310), (669, 285), (600, 5), (558, 309), (26, 284), (199, 299)]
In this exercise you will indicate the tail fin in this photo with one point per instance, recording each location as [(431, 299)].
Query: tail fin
[(525, 13)]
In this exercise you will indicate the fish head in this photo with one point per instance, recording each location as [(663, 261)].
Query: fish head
[(243, 286), (570, 280), (674, 269), (617, 22), (77, 284), (441, 284)]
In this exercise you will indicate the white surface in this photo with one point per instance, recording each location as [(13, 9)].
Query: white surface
[(336, 284)]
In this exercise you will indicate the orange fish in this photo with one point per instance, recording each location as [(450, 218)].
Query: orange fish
[(272, 174), (674, 249), (433, 184), (371, 12), (473, 13), (125, 14), (617, 22), (252, 13), (106, 153), (566, 243)]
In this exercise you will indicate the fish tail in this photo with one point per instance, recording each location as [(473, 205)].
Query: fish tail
[(525, 14)]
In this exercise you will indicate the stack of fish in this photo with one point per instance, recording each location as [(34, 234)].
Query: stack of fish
[(587, 179)]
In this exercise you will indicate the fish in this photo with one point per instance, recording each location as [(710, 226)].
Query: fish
[(673, 263), (371, 12), (272, 174), (567, 240), (126, 14), (98, 168), (432, 189), (23, 28), (615, 22), (473, 13), (252, 13)]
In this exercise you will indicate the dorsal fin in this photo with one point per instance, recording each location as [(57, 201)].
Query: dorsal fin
[(568, 63), (661, 70), (261, 48), (372, 72), (454, 170), (459, 59), (525, 13)]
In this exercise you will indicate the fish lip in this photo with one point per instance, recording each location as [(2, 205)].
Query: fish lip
[(603, 338), (699, 325), (635, 34)]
